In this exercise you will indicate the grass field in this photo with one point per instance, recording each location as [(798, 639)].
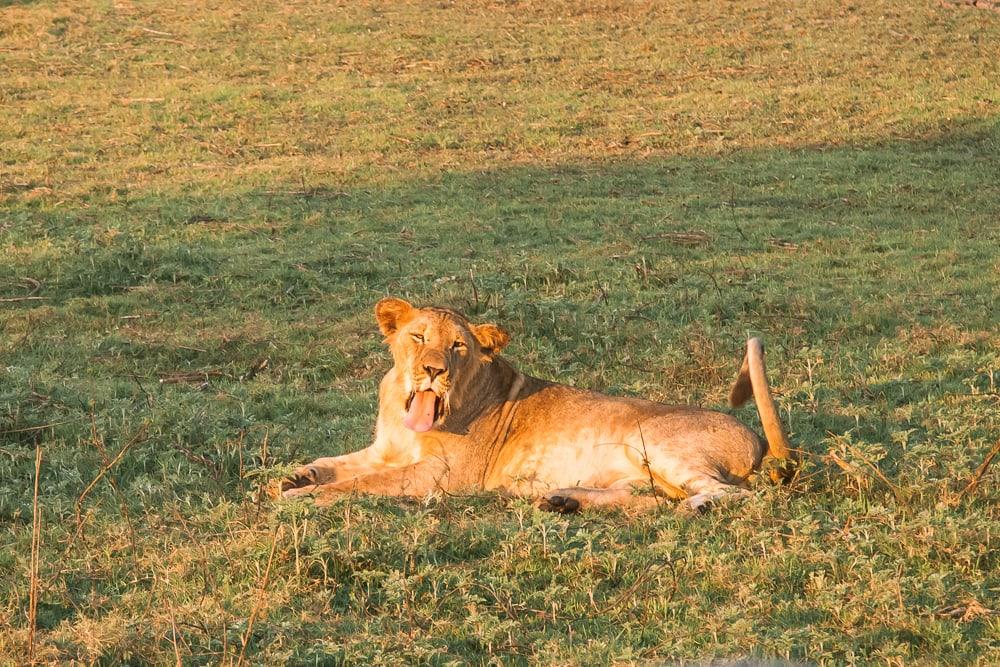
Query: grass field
[(201, 202)]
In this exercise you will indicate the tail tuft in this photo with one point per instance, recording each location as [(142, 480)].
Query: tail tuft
[(743, 388)]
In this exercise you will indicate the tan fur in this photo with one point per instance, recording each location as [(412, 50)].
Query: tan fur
[(499, 429)]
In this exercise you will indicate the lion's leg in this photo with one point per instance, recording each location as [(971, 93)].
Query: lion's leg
[(572, 499), (703, 491), (331, 469), (420, 479)]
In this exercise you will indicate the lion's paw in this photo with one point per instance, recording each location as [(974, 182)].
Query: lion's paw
[(700, 503), (305, 476), (560, 504)]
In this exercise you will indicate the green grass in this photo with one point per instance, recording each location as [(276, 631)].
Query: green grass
[(630, 191)]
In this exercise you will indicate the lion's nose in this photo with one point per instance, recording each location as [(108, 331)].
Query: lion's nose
[(433, 370)]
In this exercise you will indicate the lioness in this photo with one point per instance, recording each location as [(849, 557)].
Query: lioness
[(455, 416)]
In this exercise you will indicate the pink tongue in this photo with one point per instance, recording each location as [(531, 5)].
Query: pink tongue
[(420, 416)]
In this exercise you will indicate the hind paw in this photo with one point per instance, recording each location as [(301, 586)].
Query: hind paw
[(700, 503)]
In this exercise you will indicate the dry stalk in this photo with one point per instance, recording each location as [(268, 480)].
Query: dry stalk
[(262, 493), (629, 592), (31, 429), (15, 299), (173, 635), (649, 469), (261, 593), (878, 473), (475, 292), (980, 471), (36, 544), (853, 470), (182, 377), (693, 238), (108, 465)]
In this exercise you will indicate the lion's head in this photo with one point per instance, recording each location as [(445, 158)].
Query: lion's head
[(438, 354)]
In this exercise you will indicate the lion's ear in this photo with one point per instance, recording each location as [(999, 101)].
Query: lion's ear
[(491, 337), (392, 313)]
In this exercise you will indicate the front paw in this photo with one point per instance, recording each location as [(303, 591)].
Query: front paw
[(320, 495), (559, 504), (305, 476)]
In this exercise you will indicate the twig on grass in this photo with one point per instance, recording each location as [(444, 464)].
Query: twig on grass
[(149, 399), (692, 238), (30, 296), (854, 471), (980, 471), (640, 580), (182, 377), (843, 465), (15, 299), (878, 473), (140, 435), (200, 459)]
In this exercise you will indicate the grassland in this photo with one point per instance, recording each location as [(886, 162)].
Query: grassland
[(200, 202)]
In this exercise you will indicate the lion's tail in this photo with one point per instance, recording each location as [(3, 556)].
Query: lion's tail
[(752, 379)]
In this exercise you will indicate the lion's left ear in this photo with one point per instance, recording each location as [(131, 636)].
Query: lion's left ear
[(491, 337)]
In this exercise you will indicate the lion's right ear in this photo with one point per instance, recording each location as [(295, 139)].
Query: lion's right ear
[(392, 313), (491, 337)]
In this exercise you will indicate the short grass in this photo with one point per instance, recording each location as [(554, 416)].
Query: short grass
[(191, 189)]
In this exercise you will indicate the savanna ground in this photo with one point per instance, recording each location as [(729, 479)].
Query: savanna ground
[(201, 202)]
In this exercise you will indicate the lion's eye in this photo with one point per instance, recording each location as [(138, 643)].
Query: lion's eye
[(458, 345), (419, 338)]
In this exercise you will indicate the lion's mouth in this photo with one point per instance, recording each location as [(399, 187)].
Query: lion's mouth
[(423, 409)]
